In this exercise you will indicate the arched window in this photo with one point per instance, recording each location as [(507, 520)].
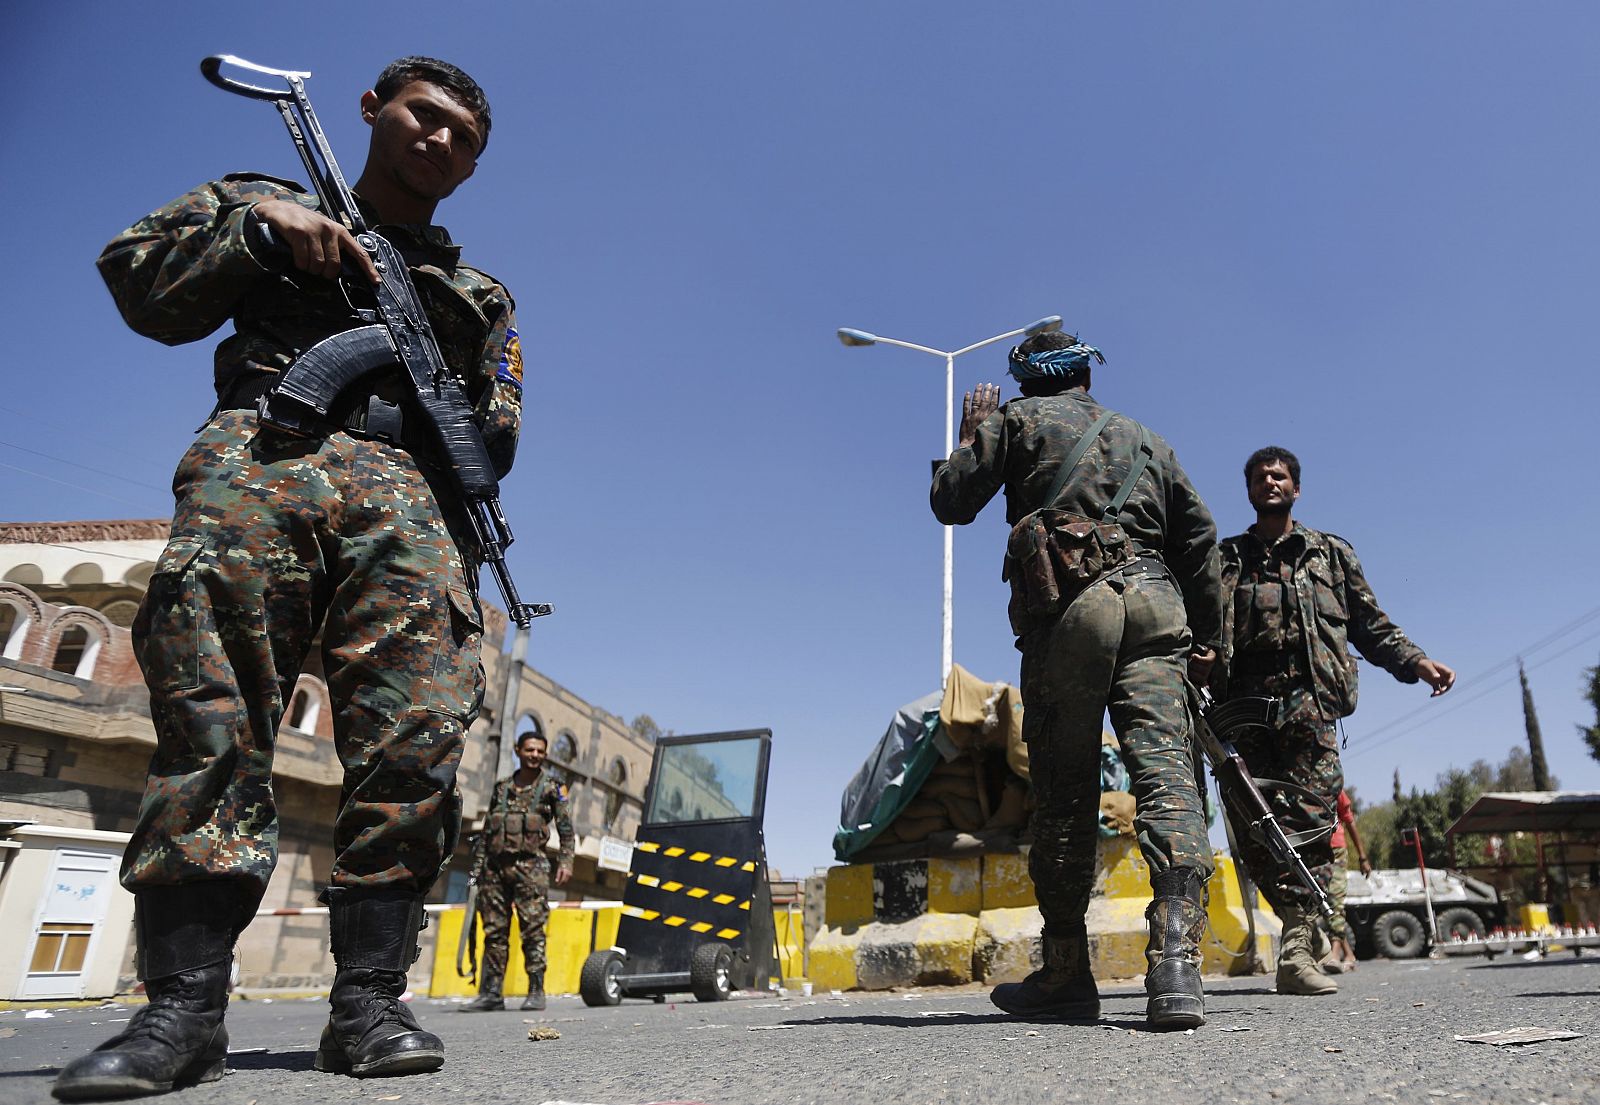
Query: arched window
[(565, 751), (76, 652), (617, 776), (304, 709)]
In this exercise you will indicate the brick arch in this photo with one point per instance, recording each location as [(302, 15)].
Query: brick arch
[(312, 692), (98, 637), (30, 619)]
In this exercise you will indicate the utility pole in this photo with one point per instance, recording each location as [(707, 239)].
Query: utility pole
[(1530, 719)]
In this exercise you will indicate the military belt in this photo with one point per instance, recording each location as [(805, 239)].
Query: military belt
[(1267, 662)]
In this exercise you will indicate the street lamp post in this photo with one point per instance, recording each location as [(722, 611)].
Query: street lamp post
[(861, 337)]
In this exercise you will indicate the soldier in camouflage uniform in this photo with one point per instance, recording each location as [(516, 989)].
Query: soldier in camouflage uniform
[(1122, 643), (1296, 598), (512, 870), (276, 538)]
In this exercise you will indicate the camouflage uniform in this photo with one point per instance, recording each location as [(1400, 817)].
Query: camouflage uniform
[(514, 871), (1122, 644), (277, 538), (1293, 608)]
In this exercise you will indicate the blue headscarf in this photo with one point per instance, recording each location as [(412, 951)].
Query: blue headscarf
[(1053, 363)]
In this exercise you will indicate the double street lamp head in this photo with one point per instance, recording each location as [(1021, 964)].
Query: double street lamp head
[(853, 337)]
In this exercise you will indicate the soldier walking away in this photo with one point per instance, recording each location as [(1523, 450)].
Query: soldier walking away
[(512, 871), (1296, 598), (1113, 565), (276, 538)]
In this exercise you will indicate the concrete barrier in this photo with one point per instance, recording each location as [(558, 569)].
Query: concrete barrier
[(975, 919), (575, 930)]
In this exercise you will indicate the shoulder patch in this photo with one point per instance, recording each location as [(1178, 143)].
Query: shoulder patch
[(292, 185), (510, 370), (561, 791)]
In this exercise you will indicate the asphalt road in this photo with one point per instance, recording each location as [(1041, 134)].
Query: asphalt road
[(1388, 1035)]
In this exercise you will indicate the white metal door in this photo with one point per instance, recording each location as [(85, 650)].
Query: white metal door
[(67, 926)]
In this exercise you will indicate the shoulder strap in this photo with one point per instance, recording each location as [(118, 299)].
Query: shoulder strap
[(1088, 439), (1141, 461)]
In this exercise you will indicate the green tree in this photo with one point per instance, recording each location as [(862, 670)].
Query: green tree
[(1591, 733), (645, 726)]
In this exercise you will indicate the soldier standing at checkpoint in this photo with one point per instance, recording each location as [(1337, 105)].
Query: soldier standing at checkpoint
[(1114, 572), (277, 538), (1296, 598), (511, 869)]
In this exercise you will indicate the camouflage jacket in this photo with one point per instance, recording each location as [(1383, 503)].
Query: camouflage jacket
[(1294, 607), (1022, 445), (519, 818), (181, 272)]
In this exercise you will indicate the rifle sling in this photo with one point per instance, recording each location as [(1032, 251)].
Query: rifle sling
[(1078, 450), (1141, 461)]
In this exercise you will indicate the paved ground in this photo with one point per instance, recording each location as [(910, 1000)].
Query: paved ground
[(1387, 1036)]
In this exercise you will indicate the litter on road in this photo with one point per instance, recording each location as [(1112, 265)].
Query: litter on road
[(1526, 1035), (543, 1032)]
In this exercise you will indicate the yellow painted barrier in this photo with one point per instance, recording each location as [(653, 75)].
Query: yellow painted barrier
[(791, 931), (571, 935), (1535, 917)]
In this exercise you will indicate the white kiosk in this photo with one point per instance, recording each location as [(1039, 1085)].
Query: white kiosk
[(65, 921)]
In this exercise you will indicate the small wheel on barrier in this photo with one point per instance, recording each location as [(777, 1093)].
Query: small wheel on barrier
[(711, 972), (600, 982)]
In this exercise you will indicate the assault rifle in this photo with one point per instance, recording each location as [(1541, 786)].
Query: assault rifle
[(1218, 723), (397, 332)]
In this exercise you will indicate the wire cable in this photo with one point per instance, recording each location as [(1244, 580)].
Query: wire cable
[(1365, 739), (84, 467), (1479, 693), (74, 486)]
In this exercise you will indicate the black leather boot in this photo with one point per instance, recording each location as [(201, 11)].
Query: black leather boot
[(1062, 990), (371, 1032), (535, 999), (488, 999), (1177, 917), (185, 940)]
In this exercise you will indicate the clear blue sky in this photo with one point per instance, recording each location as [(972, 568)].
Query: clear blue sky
[(1368, 234)]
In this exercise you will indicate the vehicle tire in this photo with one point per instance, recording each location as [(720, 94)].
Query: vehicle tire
[(1461, 923), (600, 982), (711, 972), (1399, 935)]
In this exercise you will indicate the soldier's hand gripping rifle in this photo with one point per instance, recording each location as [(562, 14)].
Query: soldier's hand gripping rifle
[(1217, 724), (398, 332)]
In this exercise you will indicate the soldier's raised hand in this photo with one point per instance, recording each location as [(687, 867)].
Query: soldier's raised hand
[(319, 245), (563, 873), (979, 404)]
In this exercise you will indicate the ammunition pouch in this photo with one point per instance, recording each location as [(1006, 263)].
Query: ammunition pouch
[(1053, 556)]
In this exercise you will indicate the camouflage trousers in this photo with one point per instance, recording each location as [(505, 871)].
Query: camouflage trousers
[(1338, 884), (1122, 645), (274, 539), (523, 883), (1303, 751)]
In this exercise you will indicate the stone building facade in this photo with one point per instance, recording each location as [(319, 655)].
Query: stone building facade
[(76, 737)]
